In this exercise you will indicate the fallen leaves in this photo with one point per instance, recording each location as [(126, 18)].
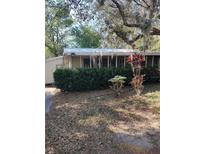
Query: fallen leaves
[(79, 124)]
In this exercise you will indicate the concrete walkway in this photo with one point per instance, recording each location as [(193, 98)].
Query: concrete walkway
[(49, 92)]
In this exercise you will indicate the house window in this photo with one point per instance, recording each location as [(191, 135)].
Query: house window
[(97, 62), (94, 62), (86, 62), (104, 62), (120, 61), (149, 61), (112, 61), (156, 61)]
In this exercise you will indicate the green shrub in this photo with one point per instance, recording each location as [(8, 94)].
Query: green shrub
[(117, 83), (90, 78), (151, 74)]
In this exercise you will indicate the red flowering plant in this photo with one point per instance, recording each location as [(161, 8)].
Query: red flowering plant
[(136, 60)]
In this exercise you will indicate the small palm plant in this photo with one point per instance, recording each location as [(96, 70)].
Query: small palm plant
[(117, 84)]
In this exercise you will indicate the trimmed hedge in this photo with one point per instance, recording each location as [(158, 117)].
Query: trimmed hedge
[(152, 74), (91, 78)]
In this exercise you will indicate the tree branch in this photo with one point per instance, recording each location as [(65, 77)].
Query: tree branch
[(140, 4), (123, 36), (146, 3), (155, 31), (51, 49), (112, 6), (123, 16)]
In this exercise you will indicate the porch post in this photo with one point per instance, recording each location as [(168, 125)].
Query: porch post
[(90, 62), (124, 60), (146, 61), (116, 61), (152, 61), (80, 61), (70, 62), (108, 62), (99, 62)]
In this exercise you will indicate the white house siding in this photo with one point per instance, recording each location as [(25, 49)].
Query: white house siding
[(50, 66), (75, 61)]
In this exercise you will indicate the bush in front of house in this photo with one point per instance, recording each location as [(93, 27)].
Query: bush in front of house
[(152, 74), (91, 78), (88, 78)]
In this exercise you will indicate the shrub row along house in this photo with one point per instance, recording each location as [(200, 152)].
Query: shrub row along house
[(95, 58)]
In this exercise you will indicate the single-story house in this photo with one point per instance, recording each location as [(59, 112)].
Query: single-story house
[(88, 58)]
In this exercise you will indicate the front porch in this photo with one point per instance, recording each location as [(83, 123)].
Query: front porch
[(88, 61), (104, 58)]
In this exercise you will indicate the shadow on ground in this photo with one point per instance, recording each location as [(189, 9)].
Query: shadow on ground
[(93, 122)]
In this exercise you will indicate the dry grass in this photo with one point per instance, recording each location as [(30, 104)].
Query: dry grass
[(98, 122)]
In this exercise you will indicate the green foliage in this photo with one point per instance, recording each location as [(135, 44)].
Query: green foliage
[(57, 23), (128, 20), (85, 37), (92, 78), (117, 79), (88, 78), (48, 54), (151, 74), (153, 43), (117, 83)]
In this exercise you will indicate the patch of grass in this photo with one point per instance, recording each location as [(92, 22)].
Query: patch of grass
[(135, 100), (153, 96), (136, 103), (148, 101)]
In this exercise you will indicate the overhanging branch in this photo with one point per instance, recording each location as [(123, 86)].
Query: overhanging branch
[(140, 4), (155, 31), (124, 17), (123, 36)]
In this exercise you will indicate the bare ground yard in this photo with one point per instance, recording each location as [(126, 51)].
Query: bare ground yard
[(97, 122)]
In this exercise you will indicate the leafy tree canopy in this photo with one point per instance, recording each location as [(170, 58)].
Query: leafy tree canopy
[(85, 37), (131, 20), (106, 24), (57, 23), (122, 22)]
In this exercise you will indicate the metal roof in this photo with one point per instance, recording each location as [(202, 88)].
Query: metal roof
[(103, 52)]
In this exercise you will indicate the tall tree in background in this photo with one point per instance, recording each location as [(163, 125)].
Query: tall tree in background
[(123, 22), (85, 37), (57, 23), (119, 24), (131, 20)]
